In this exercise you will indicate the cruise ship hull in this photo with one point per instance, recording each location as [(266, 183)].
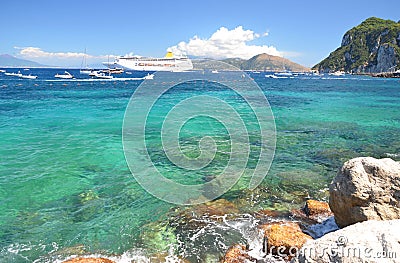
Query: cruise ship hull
[(151, 64)]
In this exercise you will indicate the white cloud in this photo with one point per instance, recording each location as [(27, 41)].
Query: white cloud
[(59, 58), (225, 43), (35, 52)]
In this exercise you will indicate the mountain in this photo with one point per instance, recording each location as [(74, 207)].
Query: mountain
[(371, 47), (10, 61), (267, 62), (263, 62)]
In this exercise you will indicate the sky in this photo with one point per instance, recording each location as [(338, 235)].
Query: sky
[(58, 32)]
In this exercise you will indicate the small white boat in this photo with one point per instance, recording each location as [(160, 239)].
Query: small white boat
[(86, 71), (149, 76), (338, 73), (28, 76), (66, 75), (93, 73), (13, 74), (271, 76), (215, 71), (101, 75), (113, 71), (284, 74), (2, 71)]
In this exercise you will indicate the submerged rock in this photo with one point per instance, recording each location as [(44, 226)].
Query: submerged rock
[(364, 189), (158, 236), (218, 207), (89, 260), (370, 241), (166, 257)]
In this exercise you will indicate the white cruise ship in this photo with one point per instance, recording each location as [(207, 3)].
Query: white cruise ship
[(167, 63)]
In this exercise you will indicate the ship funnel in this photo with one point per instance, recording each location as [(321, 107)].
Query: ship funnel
[(169, 54)]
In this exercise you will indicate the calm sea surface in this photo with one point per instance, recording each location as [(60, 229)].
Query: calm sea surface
[(65, 187)]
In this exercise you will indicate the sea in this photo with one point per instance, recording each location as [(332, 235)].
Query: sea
[(66, 188)]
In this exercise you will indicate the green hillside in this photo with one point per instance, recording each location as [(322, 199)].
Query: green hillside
[(371, 47)]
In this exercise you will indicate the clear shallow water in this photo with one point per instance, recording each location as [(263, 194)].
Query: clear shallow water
[(64, 181)]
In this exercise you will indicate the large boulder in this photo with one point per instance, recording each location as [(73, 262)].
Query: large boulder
[(370, 241), (366, 189)]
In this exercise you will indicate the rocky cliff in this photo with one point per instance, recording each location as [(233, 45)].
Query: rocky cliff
[(371, 47)]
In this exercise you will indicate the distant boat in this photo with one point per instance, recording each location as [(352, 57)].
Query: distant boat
[(256, 72), (2, 71), (13, 74), (284, 74), (102, 75), (113, 71), (338, 73), (149, 76), (215, 71), (28, 76), (66, 75), (271, 76), (93, 73), (85, 70)]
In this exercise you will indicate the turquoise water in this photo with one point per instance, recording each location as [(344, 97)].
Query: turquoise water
[(65, 185)]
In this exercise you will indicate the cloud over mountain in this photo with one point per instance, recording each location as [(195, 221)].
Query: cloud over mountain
[(225, 43), (58, 58), (35, 52)]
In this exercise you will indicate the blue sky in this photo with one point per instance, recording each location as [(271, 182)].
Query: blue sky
[(57, 32)]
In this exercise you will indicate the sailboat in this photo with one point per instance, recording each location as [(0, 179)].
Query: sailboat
[(85, 70)]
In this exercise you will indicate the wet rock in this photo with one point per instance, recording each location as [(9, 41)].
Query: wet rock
[(364, 189), (321, 229), (237, 254), (196, 217), (353, 244), (89, 260), (313, 212), (283, 239), (317, 210)]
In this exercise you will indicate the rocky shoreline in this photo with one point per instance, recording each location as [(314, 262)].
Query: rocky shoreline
[(386, 75), (361, 223)]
